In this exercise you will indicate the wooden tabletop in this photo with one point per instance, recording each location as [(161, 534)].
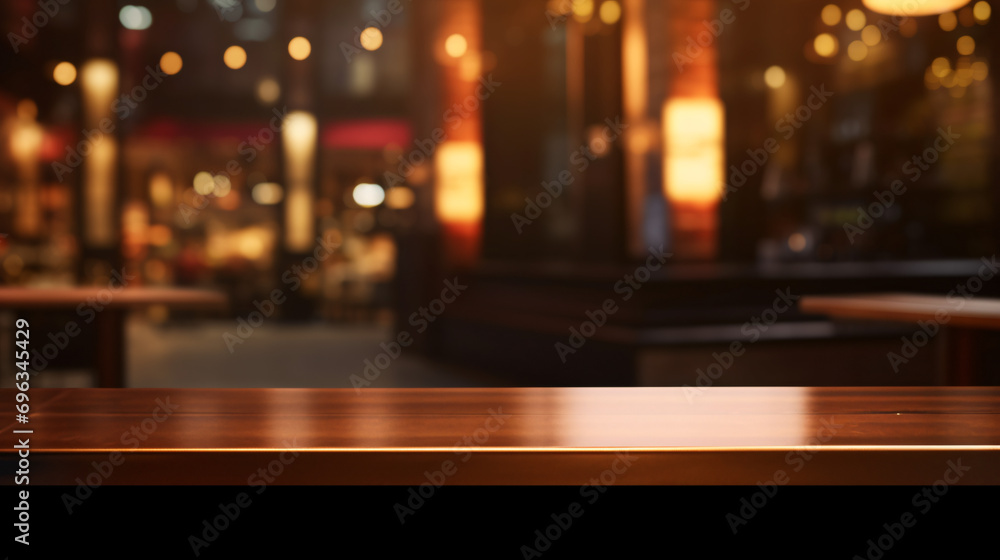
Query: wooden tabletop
[(954, 310), (513, 436), (32, 298)]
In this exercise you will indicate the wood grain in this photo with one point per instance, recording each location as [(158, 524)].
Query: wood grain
[(519, 436)]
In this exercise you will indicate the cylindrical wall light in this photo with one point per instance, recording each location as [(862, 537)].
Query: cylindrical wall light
[(299, 135), (99, 83), (694, 163)]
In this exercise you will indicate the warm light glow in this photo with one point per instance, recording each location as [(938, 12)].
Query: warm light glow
[(913, 7), (583, 10), (931, 80), (299, 48), (982, 11), (458, 171), (947, 21), (399, 198), (99, 86), (135, 228), (135, 17), (267, 194), (857, 51), (368, 195), (99, 180), (456, 45), (610, 12), (830, 14), (268, 91), (171, 63), (825, 45), (252, 243), (235, 57), (161, 190), (963, 72), (871, 35), (371, 39), (774, 77), (25, 142), (965, 45), (64, 73), (221, 185), (99, 82), (693, 151), (941, 67), (159, 235), (204, 183), (980, 70), (949, 80), (299, 135), (265, 5), (855, 20)]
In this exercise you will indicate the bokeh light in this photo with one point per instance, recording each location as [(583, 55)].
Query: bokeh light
[(825, 45), (774, 77), (830, 14), (64, 73), (235, 57), (171, 63), (456, 45), (610, 12), (368, 195), (371, 39), (299, 48)]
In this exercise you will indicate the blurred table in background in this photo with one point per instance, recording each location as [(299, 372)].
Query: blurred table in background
[(958, 315), (105, 309)]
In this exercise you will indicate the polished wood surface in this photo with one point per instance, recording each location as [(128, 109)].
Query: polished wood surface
[(954, 311), (519, 436), (34, 298)]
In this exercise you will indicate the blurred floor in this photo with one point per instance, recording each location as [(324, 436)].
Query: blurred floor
[(275, 355)]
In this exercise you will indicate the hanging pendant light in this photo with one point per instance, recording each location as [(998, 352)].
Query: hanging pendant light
[(914, 7)]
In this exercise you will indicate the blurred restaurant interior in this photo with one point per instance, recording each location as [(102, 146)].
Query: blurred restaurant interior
[(388, 193)]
